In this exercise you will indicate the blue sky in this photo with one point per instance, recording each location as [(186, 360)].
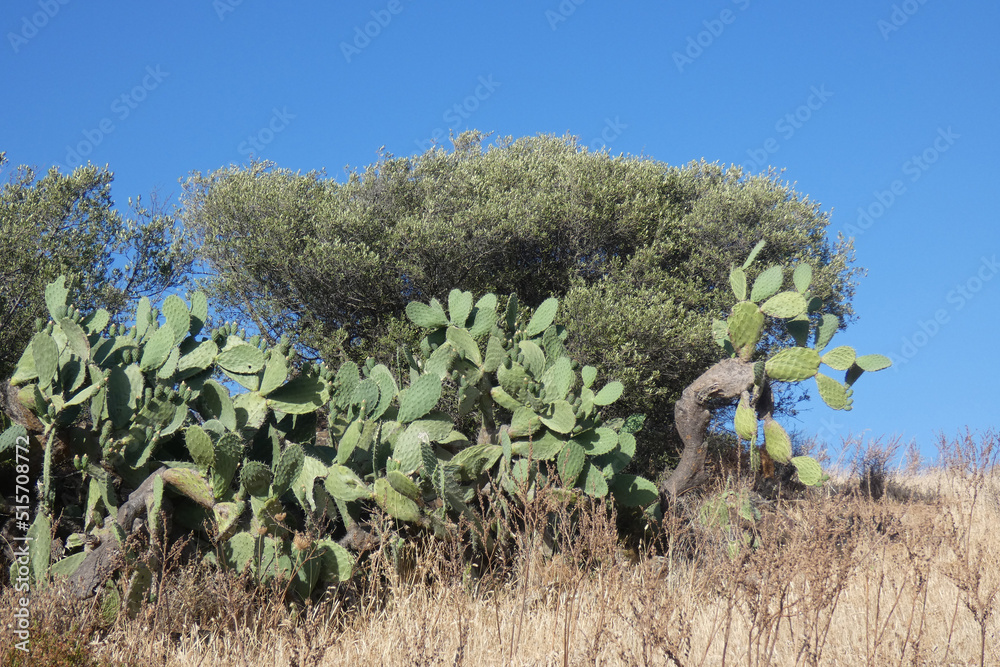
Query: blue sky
[(883, 112)]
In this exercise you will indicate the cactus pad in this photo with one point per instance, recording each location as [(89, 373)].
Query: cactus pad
[(420, 398), (395, 503), (634, 491), (343, 484), (561, 419), (793, 364), (809, 470), (459, 307), (544, 314), (426, 316), (776, 441), (785, 305), (738, 281), (873, 362), (745, 325), (802, 277), (241, 358), (256, 478), (745, 421), (767, 283), (570, 462), (834, 394), (610, 393), (825, 331), (189, 483), (840, 358), (287, 468)]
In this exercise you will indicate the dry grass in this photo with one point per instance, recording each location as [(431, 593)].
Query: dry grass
[(836, 579)]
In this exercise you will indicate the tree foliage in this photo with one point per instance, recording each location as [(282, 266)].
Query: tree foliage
[(53, 224), (639, 252)]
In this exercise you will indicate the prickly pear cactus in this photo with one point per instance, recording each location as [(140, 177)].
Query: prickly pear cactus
[(740, 335)]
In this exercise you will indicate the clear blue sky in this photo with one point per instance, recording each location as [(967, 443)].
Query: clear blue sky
[(873, 106)]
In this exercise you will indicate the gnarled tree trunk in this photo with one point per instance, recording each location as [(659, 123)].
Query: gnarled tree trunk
[(721, 384)]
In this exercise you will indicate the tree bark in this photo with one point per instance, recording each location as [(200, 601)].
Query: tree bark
[(722, 383), (104, 560)]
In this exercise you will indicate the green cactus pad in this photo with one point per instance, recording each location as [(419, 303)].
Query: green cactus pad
[(96, 321), (228, 452), (633, 491), (746, 420), (802, 277), (408, 449), (840, 358), (387, 389), (610, 393), (394, 503), (745, 325), (241, 358), (300, 395), (343, 484), (199, 446), (543, 448), (720, 332), (143, 317), (227, 516), (336, 562), (767, 283), (785, 305), (178, 317), (216, 404), (189, 483), (511, 379), (524, 422), (197, 360), (459, 307), (798, 328), (793, 364), (834, 394), (558, 379), (76, 338), (873, 362), (46, 355), (592, 481), (809, 470), (561, 417), (55, 297), (544, 314), (403, 484), (505, 400), (825, 331), (463, 342), (570, 462), (256, 478), (776, 440), (534, 358), (597, 441), (25, 371), (473, 461), (275, 373), (588, 374), (287, 468), (495, 354), (419, 398), (738, 281), (157, 349), (753, 254), (484, 316), (426, 316), (199, 312)]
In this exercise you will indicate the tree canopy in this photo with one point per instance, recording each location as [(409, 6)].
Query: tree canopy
[(53, 224), (638, 251)]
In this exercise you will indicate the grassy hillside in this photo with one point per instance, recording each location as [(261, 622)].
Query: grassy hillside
[(837, 577)]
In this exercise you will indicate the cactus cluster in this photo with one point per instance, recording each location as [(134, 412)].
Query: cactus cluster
[(227, 424), (740, 335)]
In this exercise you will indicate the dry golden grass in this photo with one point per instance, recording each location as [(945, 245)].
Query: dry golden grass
[(836, 579)]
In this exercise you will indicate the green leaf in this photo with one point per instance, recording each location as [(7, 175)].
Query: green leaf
[(825, 331), (570, 463), (810, 472), (241, 358), (776, 440), (597, 441), (840, 358), (562, 419), (784, 305), (544, 314), (300, 395), (753, 254), (46, 355), (593, 481), (634, 491), (343, 483), (834, 394), (420, 398), (793, 364)]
